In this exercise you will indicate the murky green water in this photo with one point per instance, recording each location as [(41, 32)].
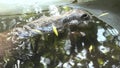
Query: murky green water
[(98, 48)]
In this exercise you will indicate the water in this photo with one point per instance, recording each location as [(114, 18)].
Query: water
[(26, 6), (8, 22), (98, 48)]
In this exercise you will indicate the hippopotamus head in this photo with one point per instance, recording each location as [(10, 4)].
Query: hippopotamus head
[(77, 18)]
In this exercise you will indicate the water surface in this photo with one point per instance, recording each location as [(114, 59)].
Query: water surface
[(100, 48)]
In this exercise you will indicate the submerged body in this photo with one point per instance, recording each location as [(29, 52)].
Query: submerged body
[(70, 21)]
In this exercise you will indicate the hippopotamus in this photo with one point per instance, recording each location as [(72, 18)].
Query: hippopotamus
[(72, 20), (44, 24), (76, 24)]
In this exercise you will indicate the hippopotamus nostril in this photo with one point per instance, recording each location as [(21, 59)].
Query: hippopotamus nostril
[(85, 17)]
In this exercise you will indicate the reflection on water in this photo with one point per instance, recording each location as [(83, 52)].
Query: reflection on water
[(8, 22), (98, 48)]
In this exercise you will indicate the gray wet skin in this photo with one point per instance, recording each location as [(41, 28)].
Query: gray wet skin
[(44, 24)]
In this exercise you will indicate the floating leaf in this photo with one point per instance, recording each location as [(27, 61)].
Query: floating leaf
[(103, 14), (6, 59), (116, 57), (8, 38), (38, 31), (90, 48), (113, 56), (66, 8), (55, 30), (100, 61)]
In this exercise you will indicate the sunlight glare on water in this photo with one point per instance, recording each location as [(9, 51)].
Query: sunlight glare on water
[(100, 35)]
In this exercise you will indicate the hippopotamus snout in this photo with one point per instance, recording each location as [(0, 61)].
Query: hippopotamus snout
[(76, 17)]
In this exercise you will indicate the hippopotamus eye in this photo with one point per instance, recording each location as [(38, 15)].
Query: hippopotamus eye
[(85, 17)]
